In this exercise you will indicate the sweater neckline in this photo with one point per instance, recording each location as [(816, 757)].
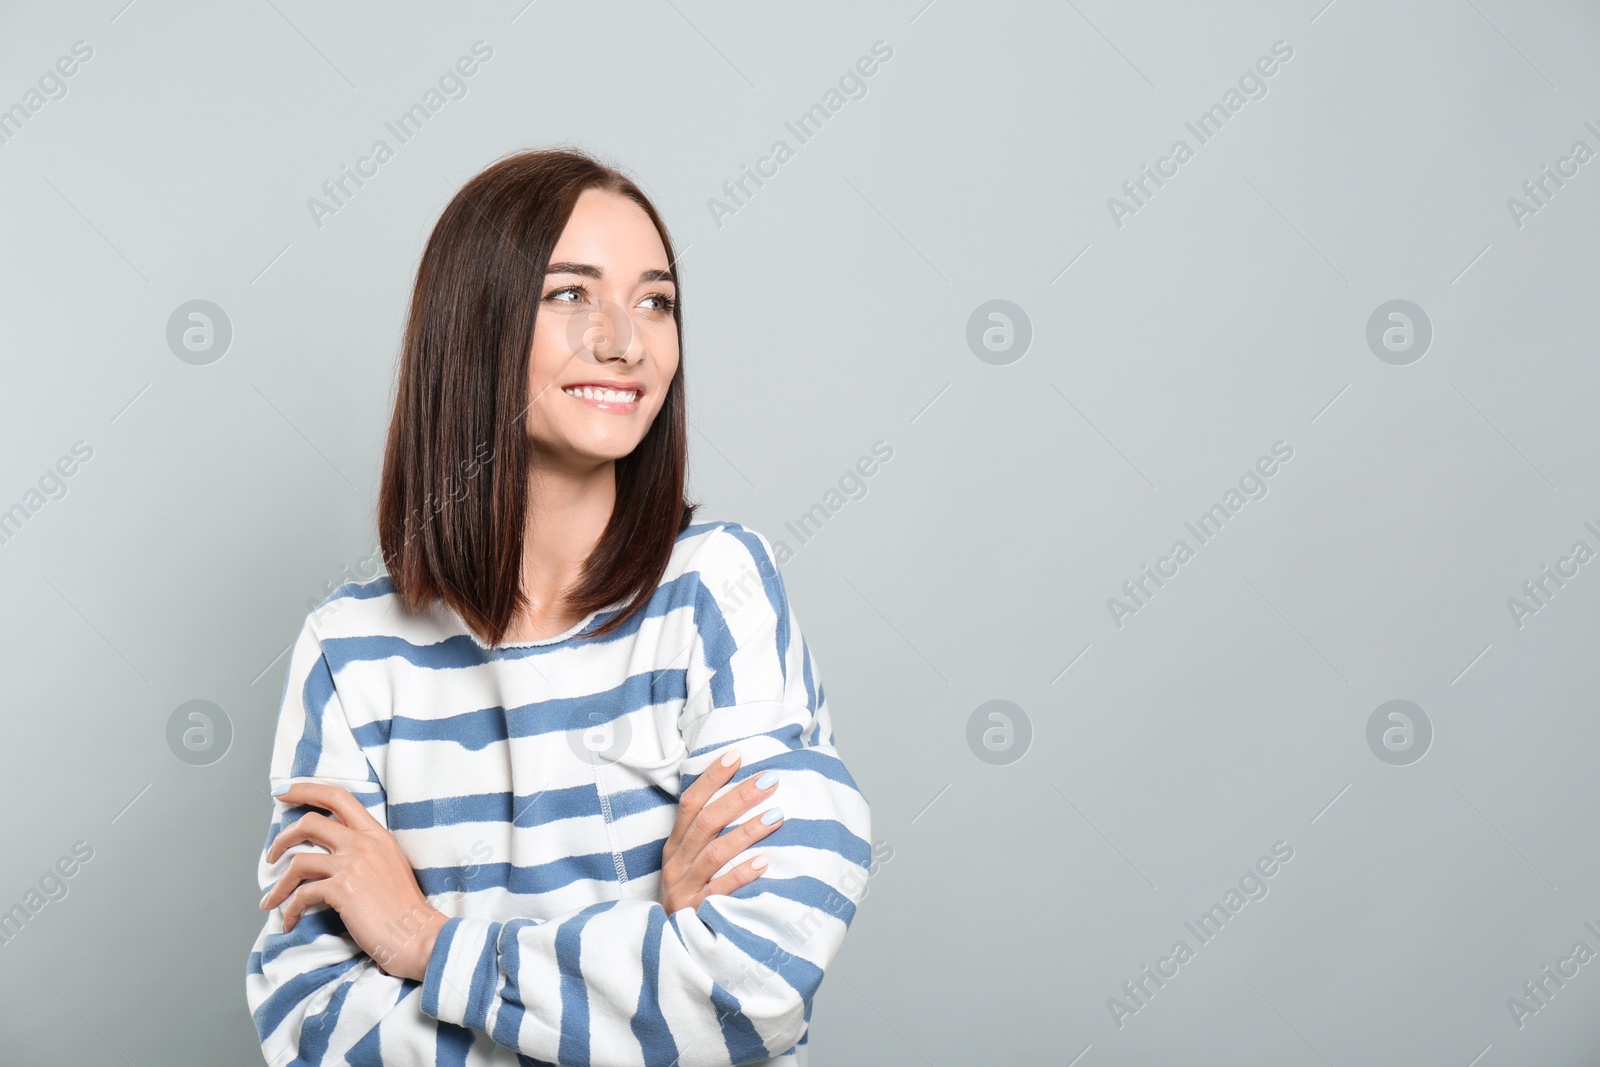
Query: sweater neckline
[(554, 639)]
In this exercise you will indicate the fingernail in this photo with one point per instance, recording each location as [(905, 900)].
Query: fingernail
[(279, 790), (263, 904), (759, 862), (730, 758), (772, 815), (768, 780)]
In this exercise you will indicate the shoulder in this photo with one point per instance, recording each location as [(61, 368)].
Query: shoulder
[(357, 609), (720, 551), (736, 586)]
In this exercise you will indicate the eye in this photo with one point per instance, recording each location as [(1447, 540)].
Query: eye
[(555, 294), (663, 303)]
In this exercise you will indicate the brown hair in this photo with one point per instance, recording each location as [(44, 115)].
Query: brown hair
[(451, 519)]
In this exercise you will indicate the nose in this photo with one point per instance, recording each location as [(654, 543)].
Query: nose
[(607, 335)]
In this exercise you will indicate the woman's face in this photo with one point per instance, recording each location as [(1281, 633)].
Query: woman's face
[(607, 320)]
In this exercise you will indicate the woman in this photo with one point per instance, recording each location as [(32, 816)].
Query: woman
[(534, 737)]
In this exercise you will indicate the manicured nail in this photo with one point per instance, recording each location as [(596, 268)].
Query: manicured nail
[(263, 904), (768, 780), (730, 758), (758, 863), (279, 790), (771, 815)]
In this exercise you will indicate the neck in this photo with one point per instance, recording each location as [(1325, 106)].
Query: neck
[(567, 513)]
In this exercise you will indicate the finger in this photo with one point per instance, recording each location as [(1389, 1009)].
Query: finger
[(306, 897), (694, 798), (313, 827), (303, 868), (735, 841), (740, 876), (720, 813), (334, 798)]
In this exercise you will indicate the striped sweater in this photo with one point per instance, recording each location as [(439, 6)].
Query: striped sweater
[(533, 787)]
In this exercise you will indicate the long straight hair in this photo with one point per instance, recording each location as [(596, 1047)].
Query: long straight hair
[(452, 506)]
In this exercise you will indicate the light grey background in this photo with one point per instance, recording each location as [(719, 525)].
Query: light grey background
[(830, 312)]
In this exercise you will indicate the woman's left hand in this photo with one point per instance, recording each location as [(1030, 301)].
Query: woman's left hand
[(363, 876)]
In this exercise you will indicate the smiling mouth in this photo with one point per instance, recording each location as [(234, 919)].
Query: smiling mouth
[(621, 401)]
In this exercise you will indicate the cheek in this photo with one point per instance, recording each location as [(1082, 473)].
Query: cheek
[(664, 345), (550, 351)]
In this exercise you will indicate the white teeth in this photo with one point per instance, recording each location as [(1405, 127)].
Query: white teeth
[(607, 396)]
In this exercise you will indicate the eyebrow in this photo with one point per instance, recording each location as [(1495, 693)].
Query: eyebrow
[(588, 270)]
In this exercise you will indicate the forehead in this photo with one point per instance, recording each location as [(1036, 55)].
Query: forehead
[(610, 231)]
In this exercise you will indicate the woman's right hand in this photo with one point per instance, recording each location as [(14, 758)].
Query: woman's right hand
[(695, 852)]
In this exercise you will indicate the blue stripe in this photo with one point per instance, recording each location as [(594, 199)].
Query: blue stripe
[(540, 877), (508, 1022), (625, 802), (485, 980), (649, 1025), (789, 734), (433, 978), (382, 585), (460, 651), (534, 809), (803, 889), (317, 1030), (801, 974), (318, 921), (574, 1047), (477, 730), (814, 760), (772, 582), (315, 695), (811, 685), (827, 834), (717, 646), (270, 1015), (739, 1035), (451, 1045), (368, 1052)]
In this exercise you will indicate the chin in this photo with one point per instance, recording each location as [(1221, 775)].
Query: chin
[(602, 450)]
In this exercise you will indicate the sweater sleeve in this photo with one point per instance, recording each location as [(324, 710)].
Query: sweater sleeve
[(732, 981), (314, 995)]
